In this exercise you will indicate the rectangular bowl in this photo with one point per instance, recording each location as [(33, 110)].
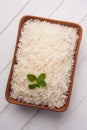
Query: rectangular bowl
[(8, 88)]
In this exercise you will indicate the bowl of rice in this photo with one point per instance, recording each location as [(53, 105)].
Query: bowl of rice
[(43, 65)]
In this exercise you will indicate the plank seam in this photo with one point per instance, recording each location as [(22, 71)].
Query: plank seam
[(31, 118), (14, 17), (73, 110), (5, 108), (62, 2)]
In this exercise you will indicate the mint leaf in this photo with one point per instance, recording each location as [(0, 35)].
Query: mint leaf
[(43, 83), (31, 77), (36, 82), (33, 86), (41, 77)]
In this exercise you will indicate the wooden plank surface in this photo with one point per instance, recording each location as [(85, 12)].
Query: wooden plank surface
[(13, 117)]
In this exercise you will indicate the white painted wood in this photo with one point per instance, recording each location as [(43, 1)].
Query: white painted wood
[(83, 49), (83, 46), (8, 10), (84, 23), (17, 117), (43, 8), (78, 119), (61, 127), (72, 10), (8, 38), (44, 120), (14, 117), (3, 82)]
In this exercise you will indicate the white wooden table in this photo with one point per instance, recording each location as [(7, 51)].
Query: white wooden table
[(13, 117)]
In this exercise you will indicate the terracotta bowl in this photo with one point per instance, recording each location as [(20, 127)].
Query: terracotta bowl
[(8, 88)]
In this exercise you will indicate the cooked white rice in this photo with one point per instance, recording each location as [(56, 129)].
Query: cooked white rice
[(44, 48)]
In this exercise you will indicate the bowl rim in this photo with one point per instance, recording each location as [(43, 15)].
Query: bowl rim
[(8, 87)]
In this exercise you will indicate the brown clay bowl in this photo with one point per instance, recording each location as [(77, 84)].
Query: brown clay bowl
[(8, 88)]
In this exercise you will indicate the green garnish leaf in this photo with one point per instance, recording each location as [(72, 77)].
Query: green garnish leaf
[(43, 83), (31, 77), (37, 82), (41, 77), (33, 86)]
